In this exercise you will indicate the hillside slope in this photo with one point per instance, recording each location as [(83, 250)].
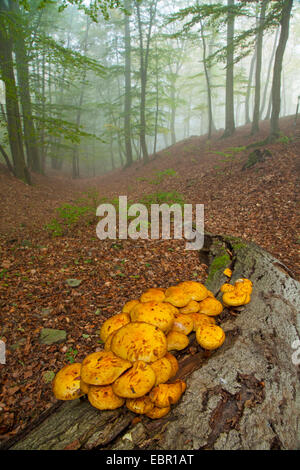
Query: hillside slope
[(258, 204)]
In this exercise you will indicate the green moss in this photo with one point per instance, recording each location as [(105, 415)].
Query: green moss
[(238, 246), (220, 262)]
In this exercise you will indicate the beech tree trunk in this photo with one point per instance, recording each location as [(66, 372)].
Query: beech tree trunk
[(259, 45), (276, 84), (128, 98), (14, 126), (30, 135), (144, 61), (229, 106), (264, 99), (245, 395)]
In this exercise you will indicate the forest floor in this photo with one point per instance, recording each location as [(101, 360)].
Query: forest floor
[(258, 204)]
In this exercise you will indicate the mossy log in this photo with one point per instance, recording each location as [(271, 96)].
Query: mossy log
[(245, 395)]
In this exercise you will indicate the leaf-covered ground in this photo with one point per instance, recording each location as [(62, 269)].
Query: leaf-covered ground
[(259, 204)]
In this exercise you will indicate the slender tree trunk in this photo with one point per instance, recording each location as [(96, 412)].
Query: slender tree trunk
[(56, 150), (7, 160), (283, 95), (144, 57), (209, 100), (30, 137), (173, 112), (264, 99), (259, 44), (43, 145), (248, 93), (75, 159), (127, 102), (14, 126), (188, 118), (156, 101), (229, 107), (111, 152), (276, 84), (143, 91)]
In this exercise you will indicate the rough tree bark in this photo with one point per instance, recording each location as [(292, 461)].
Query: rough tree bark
[(259, 50), (229, 105), (245, 395), (276, 84), (128, 92)]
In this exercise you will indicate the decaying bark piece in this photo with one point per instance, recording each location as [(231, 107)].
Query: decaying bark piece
[(245, 395)]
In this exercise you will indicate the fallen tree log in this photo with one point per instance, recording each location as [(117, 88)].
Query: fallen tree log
[(245, 395)]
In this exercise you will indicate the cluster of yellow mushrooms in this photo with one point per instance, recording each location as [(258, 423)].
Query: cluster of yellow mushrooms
[(136, 366)]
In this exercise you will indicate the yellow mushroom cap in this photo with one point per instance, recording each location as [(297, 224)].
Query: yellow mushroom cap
[(210, 336), (210, 293), (140, 405), (227, 287), (66, 383), (84, 386), (200, 319), (176, 341), (108, 341), (104, 398), (157, 413), (155, 294), (174, 363), (164, 395), (227, 272), (191, 307), (139, 341), (163, 370), (245, 280), (176, 296), (210, 306), (103, 368), (195, 290), (136, 382), (159, 314), (113, 324), (234, 298), (183, 323), (129, 305), (243, 285)]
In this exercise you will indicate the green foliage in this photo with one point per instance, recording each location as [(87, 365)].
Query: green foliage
[(159, 176), (90, 8), (284, 139), (71, 355), (171, 197), (67, 216), (229, 157), (70, 214), (55, 228)]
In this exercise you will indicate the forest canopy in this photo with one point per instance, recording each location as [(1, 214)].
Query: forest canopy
[(90, 86)]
